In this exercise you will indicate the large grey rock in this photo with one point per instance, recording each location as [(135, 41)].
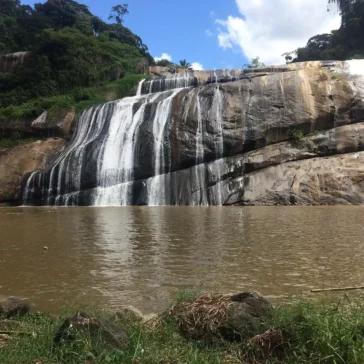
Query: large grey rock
[(273, 135), (13, 307), (99, 331), (246, 316), (256, 112), (213, 316)]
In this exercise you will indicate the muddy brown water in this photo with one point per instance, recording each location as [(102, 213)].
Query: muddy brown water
[(108, 257)]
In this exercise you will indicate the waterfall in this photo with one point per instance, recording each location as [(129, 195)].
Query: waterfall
[(156, 193), (217, 108), (200, 167), (117, 156), (163, 83), (121, 152)]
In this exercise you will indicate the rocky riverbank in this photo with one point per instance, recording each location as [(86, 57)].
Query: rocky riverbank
[(197, 328)]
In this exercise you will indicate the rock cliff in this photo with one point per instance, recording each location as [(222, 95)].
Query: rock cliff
[(276, 135), (18, 162)]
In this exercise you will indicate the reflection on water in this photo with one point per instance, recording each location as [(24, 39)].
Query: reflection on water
[(142, 255)]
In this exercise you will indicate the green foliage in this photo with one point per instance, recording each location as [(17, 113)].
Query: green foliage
[(70, 49), (255, 63), (118, 12), (14, 140), (183, 63), (297, 135), (344, 43), (323, 332), (160, 344), (165, 63), (80, 99)]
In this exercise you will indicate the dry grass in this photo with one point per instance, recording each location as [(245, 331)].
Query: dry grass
[(203, 316)]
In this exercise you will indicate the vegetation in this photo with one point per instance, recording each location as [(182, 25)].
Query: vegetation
[(15, 140), (165, 63), (344, 43), (299, 332), (297, 135), (184, 64), (80, 99), (70, 49), (255, 63)]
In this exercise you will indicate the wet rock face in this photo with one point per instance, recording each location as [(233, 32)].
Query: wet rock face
[(257, 137), (99, 331)]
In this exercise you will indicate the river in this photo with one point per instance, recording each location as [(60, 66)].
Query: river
[(141, 256)]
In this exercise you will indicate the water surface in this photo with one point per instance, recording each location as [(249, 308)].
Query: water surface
[(108, 257)]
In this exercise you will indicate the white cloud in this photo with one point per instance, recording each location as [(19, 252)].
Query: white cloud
[(209, 33), (269, 28), (163, 56), (197, 66)]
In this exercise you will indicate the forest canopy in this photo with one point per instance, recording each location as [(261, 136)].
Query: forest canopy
[(70, 48), (344, 43)]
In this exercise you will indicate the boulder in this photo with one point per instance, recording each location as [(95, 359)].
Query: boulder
[(18, 162), (130, 314), (245, 315), (215, 316), (12, 307), (100, 331)]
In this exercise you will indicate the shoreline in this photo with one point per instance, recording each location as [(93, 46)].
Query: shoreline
[(197, 328)]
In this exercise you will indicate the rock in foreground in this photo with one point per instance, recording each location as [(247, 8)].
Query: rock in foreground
[(99, 331), (13, 307), (211, 316)]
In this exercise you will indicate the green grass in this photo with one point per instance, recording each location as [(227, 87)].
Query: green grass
[(15, 140), (80, 99), (162, 344), (323, 332)]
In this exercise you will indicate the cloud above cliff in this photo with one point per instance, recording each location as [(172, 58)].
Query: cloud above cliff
[(163, 56), (268, 28), (197, 66)]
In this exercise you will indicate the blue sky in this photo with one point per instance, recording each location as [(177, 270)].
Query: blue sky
[(221, 33)]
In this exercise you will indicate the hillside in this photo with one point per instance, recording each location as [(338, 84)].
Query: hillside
[(58, 55)]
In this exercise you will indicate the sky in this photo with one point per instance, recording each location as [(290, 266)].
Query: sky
[(222, 34)]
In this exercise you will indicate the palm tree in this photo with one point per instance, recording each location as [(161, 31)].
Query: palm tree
[(185, 64), (343, 5)]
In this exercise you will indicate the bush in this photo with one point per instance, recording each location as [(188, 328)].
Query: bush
[(297, 135)]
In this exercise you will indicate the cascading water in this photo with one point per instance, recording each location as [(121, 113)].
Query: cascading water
[(120, 153), (200, 167), (157, 186), (216, 117)]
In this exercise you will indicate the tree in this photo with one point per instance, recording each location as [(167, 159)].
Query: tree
[(343, 5), (183, 63), (255, 63), (118, 12), (164, 63), (9, 7)]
